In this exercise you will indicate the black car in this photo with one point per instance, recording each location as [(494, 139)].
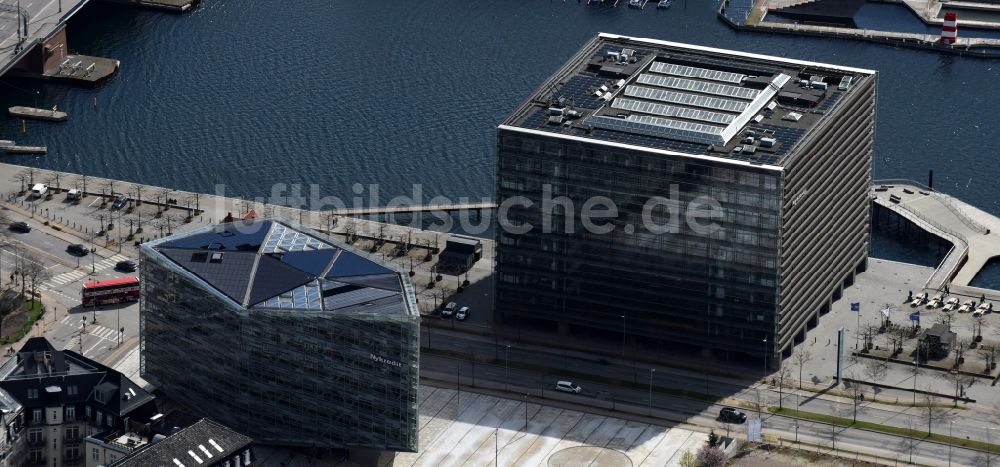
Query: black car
[(126, 266), (22, 227), (77, 250), (119, 202), (732, 415)]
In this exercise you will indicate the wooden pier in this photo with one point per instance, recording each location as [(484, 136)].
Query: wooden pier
[(38, 114), (975, 234)]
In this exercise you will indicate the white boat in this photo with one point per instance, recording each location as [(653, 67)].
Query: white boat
[(664, 4)]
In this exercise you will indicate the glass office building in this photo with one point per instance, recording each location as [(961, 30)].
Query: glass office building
[(739, 185), (282, 334)]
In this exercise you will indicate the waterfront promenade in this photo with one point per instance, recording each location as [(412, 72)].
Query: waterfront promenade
[(975, 234)]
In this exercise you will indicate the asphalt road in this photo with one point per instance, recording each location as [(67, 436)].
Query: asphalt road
[(695, 410)]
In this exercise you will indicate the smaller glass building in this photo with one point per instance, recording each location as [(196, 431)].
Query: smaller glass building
[(282, 334)]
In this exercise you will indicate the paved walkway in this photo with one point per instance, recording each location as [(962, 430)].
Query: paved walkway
[(974, 233)]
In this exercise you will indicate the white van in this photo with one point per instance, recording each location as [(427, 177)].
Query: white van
[(73, 194), (39, 190), (567, 386)]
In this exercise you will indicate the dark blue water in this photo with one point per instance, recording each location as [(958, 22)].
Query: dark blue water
[(989, 276), (396, 93)]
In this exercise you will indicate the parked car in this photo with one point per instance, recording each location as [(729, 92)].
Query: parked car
[(967, 306), (983, 308), (77, 249), (126, 266), (462, 313), (22, 227), (119, 203), (936, 301), (568, 386), (951, 304), (918, 299), (732, 415), (72, 194), (39, 190), (449, 310)]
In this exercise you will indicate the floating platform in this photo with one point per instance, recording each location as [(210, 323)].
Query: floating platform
[(39, 114), (26, 149)]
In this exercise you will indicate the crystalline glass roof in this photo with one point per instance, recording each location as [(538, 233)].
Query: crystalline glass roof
[(268, 264)]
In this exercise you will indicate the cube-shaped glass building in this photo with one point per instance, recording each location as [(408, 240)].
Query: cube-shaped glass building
[(282, 334), (733, 188)]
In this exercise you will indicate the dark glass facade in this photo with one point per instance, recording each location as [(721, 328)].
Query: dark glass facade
[(336, 379), (787, 233)]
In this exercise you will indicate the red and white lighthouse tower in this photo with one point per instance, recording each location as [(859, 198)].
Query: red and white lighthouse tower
[(949, 29)]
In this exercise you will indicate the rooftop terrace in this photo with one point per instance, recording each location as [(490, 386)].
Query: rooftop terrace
[(687, 99)]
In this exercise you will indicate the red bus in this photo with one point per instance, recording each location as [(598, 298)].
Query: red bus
[(123, 289)]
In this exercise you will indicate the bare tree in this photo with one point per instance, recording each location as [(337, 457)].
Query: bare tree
[(330, 220), (783, 373), (960, 382), (35, 272), (976, 326), (108, 187), (875, 370), (81, 184), (163, 195), (21, 268), (989, 353), (959, 352), (868, 333), (932, 409), (350, 232), (23, 177), (52, 179), (135, 192), (898, 335), (856, 391)]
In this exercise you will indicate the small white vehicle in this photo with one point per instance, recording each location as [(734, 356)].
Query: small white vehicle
[(567, 386), (918, 300), (936, 301), (951, 304), (73, 194), (449, 310), (462, 313), (39, 190), (983, 309), (967, 306)]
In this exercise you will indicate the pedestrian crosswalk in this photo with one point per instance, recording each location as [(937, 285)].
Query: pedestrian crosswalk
[(94, 330), (74, 275)]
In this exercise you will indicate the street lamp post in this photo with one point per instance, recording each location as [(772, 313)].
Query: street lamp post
[(650, 407), (506, 368), (916, 368), (765, 359), (623, 335)]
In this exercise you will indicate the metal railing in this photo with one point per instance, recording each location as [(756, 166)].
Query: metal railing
[(945, 199)]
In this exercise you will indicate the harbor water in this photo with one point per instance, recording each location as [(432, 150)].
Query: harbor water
[(249, 94)]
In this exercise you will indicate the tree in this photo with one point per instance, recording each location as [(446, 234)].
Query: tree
[(135, 192), (81, 184), (959, 352), (801, 358), (783, 373), (349, 232), (688, 459), (932, 410), (960, 381), (976, 326), (713, 439), (856, 391), (898, 335), (711, 457), (868, 332), (23, 177), (35, 272), (875, 370), (989, 353), (108, 187)]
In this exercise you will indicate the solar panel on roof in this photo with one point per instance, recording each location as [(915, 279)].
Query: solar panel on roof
[(661, 127), (348, 264), (693, 72), (685, 98), (672, 111), (312, 262), (698, 86)]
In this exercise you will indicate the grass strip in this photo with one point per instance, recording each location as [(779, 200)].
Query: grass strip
[(889, 429)]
